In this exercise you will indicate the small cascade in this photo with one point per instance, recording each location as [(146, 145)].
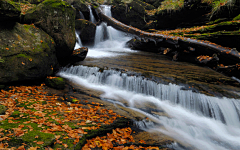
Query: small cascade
[(222, 109), (92, 18), (104, 32), (202, 121), (81, 15), (106, 10), (78, 41)]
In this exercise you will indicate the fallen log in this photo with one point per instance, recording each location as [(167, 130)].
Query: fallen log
[(227, 56)]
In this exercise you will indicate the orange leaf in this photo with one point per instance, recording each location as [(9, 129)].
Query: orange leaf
[(40, 142), (33, 148)]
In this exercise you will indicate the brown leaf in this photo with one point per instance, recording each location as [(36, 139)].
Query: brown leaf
[(40, 142)]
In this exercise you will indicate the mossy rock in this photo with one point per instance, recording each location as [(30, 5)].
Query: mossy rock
[(56, 83), (236, 18), (131, 14), (28, 53), (2, 109), (81, 6), (56, 18), (9, 11), (145, 5), (46, 138), (87, 30), (103, 130)]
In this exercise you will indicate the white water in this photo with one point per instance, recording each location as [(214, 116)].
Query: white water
[(204, 122), (78, 41), (92, 18), (108, 42), (199, 120)]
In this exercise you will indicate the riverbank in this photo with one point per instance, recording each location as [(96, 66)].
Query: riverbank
[(40, 117)]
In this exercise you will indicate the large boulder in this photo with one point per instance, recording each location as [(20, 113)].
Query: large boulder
[(87, 30), (27, 53), (56, 18), (130, 13), (9, 11)]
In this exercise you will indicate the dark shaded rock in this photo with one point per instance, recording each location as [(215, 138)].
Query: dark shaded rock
[(78, 55), (81, 6), (157, 3), (149, 46), (87, 31), (2, 109), (9, 11), (55, 82), (232, 70), (2, 87), (57, 18), (132, 14), (145, 5), (28, 53)]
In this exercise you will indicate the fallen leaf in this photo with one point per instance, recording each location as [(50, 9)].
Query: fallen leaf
[(40, 142)]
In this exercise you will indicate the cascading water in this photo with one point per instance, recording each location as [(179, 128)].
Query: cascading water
[(78, 42), (81, 15), (108, 39), (202, 121), (92, 18)]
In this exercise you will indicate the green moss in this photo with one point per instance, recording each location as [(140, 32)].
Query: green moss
[(2, 109), (57, 4), (16, 5), (23, 55), (236, 18), (57, 83), (5, 125), (69, 142), (47, 138)]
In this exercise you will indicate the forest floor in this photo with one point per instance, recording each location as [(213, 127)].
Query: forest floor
[(39, 117)]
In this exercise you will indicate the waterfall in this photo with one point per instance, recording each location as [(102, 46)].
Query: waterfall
[(81, 15), (78, 41), (92, 18), (108, 41), (106, 10), (104, 32), (202, 121)]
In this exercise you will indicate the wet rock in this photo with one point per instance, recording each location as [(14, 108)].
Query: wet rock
[(9, 11), (27, 52), (150, 46), (87, 30), (81, 6), (55, 82), (56, 18), (79, 54)]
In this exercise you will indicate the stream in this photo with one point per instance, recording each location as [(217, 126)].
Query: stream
[(193, 105)]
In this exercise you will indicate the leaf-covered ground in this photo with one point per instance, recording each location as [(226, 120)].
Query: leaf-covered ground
[(36, 119)]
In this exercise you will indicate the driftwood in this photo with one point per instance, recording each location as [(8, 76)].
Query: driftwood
[(227, 56)]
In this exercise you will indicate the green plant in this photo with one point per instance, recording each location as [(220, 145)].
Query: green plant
[(171, 5)]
